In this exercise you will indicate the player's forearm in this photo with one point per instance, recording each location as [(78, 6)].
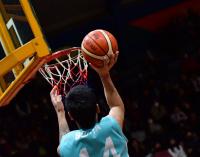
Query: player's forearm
[(63, 125), (112, 96)]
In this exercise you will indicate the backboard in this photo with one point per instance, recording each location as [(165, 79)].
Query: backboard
[(22, 47), (31, 29)]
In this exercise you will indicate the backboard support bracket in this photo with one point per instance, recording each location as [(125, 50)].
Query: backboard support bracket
[(35, 51)]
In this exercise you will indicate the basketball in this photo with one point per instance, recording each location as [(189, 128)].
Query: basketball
[(96, 46)]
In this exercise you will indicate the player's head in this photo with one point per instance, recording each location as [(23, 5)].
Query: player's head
[(81, 103)]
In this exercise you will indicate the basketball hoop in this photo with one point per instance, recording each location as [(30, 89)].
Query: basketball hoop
[(66, 69)]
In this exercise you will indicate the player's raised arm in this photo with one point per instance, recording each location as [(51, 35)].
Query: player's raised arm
[(59, 108), (112, 96)]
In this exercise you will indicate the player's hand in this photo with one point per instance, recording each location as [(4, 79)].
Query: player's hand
[(56, 100), (108, 64), (177, 152)]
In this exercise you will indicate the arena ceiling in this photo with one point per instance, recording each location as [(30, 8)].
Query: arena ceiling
[(54, 15)]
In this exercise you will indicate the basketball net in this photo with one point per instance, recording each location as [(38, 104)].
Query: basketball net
[(66, 69)]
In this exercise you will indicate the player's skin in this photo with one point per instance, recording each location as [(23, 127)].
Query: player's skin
[(113, 98), (56, 100)]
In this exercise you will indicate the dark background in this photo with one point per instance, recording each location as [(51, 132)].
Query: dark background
[(157, 75)]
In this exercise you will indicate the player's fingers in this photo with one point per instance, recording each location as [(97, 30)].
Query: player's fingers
[(112, 59), (116, 56), (54, 91), (106, 60)]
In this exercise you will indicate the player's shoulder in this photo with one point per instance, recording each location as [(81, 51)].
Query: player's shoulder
[(111, 125), (67, 143), (108, 119), (110, 122), (68, 137)]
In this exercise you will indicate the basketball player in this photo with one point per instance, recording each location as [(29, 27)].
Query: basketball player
[(93, 139)]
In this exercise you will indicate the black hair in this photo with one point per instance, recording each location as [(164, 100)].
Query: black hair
[(81, 103)]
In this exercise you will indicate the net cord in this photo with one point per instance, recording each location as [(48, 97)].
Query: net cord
[(55, 73)]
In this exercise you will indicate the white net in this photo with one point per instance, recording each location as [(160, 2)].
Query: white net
[(66, 70)]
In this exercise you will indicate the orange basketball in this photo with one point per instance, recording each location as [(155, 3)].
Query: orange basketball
[(96, 46)]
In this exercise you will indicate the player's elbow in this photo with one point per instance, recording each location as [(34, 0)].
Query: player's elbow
[(121, 107)]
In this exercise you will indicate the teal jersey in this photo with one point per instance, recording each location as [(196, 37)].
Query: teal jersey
[(105, 139)]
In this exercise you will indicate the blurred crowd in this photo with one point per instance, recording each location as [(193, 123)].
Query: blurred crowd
[(28, 126), (162, 102)]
